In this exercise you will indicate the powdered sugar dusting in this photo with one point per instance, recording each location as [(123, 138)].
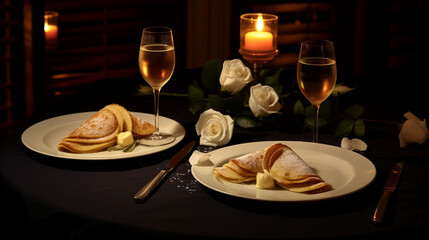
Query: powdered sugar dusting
[(184, 180), (101, 124), (252, 161), (292, 165)]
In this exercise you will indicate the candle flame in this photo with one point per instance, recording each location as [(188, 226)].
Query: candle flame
[(260, 23), (46, 27)]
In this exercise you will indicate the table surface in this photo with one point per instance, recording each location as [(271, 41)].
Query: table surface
[(82, 199)]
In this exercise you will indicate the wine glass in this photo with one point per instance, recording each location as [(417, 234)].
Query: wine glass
[(156, 62), (316, 74)]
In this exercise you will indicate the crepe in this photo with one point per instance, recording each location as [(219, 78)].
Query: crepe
[(285, 166), (242, 169), (100, 130)]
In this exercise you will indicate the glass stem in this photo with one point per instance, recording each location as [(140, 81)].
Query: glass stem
[(156, 93), (316, 123), (256, 71)]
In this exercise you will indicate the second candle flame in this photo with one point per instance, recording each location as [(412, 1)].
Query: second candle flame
[(259, 23)]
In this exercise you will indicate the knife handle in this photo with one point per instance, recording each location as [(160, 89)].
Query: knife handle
[(381, 207), (142, 194)]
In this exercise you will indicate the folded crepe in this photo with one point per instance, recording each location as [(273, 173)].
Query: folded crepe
[(100, 130), (286, 168)]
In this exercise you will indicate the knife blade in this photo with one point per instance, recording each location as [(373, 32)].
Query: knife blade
[(144, 192), (389, 188)]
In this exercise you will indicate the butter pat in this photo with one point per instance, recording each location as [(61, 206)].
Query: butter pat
[(264, 180), (125, 139)]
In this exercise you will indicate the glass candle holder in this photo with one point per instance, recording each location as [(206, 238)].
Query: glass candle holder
[(258, 37), (51, 28)]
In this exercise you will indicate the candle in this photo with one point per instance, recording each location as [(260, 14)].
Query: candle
[(51, 32), (258, 41), (51, 26), (258, 37)]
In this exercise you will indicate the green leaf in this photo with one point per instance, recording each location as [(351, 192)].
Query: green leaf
[(130, 147), (355, 110), (344, 128), (211, 74), (274, 81), (248, 122), (265, 72), (127, 148), (309, 111), (309, 121), (325, 109), (359, 128), (195, 107), (195, 93), (145, 90), (114, 148), (341, 88), (298, 108), (216, 102), (234, 104)]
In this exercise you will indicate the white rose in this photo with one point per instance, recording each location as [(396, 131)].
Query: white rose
[(234, 76), (263, 100), (414, 130), (214, 128)]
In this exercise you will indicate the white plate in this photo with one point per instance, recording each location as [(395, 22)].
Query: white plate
[(346, 170), (44, 137)]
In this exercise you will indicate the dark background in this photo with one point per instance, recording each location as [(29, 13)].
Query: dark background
[(381, 46)]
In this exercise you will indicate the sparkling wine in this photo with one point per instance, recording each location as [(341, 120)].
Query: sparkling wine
[(156, 63), (316, 78)]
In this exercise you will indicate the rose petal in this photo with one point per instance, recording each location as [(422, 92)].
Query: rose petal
[(353, 144), (346, 143), (200, 159), (359, 145)]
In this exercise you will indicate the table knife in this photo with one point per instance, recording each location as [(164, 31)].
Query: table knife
[(142, 194), (389, 188)]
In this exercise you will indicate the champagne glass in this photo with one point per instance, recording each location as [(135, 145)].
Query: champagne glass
[(156, 62), (316, 74)]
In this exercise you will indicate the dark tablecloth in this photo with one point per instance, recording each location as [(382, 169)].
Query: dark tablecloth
[(67, 199)]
